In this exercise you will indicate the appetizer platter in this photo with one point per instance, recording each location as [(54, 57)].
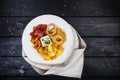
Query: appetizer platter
[(48, 39)]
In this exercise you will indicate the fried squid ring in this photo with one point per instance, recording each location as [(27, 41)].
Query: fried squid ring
[(58, 31), (63, 35), (51, 29), (61, 32), (37, 45), (58, 40), (33, 40)]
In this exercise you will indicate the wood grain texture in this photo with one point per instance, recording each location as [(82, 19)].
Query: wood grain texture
[(95, 47), (100, 67), (39, 78), (93, 67), (85, 26), (102, 47), (59, 7), (53, 78), (15, 67), (97, 21)]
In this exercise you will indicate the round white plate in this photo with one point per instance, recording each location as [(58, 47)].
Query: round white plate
[(32, 54)]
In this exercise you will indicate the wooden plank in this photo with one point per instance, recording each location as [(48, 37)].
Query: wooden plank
[(104, 67), (59, 7), (95, 47), (10, 46), (93, 67), (85, 26), (102, 46), (101, 78), (37, 78), (15, 67), (13, 26), (53, 78)]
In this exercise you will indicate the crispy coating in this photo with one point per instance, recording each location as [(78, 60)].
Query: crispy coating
[(55, 49)]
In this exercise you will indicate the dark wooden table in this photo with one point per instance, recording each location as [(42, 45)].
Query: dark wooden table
[(97, 21)]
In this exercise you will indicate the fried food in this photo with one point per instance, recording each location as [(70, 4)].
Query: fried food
[(51, 29), (57, 36), (33, 40), (58, 40), (37, 45)]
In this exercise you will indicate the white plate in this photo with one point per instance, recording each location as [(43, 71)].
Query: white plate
[(32, 54)]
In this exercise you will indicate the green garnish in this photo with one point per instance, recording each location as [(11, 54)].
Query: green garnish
[(43, 40), (47, 41)]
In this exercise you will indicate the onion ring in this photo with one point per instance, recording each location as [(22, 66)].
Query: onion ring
[(51, 29), (58, 40), (33, 40), (37, 45)]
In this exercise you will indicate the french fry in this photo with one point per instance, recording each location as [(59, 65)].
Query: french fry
[(51, 54), (52, 51), (50, 48), (59, 52), (54, 57), (54, 48)]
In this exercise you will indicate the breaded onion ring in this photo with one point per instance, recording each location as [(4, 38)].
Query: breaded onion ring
[(61, 32), (33, 40), (37, 45), (58, 40), (51, 29)]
